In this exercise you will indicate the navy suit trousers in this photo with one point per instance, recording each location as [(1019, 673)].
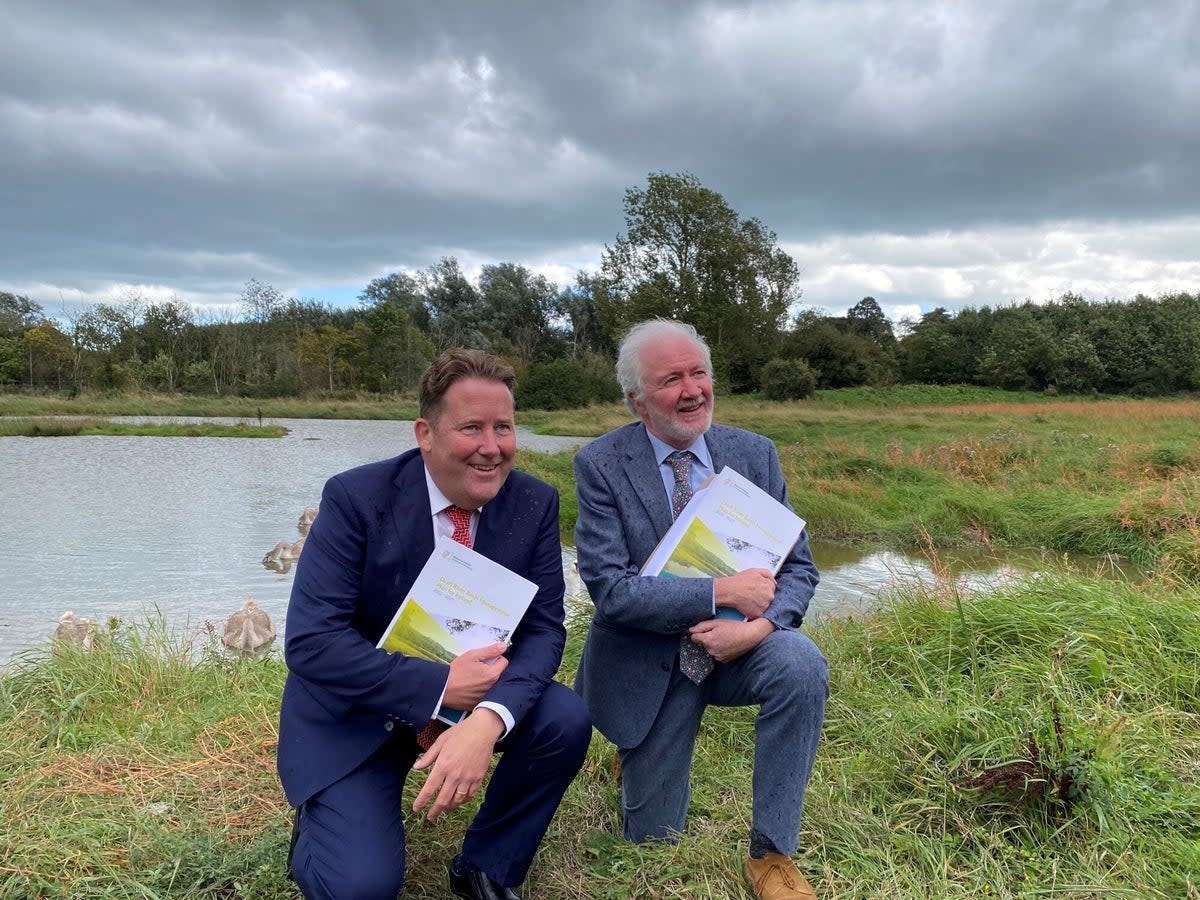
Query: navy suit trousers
[(351, 842)]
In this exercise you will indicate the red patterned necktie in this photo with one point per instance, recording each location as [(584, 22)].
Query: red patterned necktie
[(462, 524), (694, 661), (461, 518)]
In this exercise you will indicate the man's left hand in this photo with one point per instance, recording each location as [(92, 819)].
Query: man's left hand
[(726, 639), (459, 758)]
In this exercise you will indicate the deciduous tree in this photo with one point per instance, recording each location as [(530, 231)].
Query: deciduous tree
[(686, 254)]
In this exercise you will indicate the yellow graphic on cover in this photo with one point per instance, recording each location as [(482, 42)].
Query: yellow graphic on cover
[(417, 633), (700, 553)]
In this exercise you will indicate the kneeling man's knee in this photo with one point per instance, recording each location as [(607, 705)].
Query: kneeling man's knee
[(367, 878), (563, 725), (799, 663)]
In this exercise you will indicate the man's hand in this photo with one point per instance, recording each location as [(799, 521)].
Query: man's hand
[(460, 758), (726, 639), (750, 592), (472, 675)]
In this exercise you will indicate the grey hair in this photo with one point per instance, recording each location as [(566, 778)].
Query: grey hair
[(629, 354)]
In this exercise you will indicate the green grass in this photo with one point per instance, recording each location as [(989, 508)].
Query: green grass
[(53, 427), (145, 768)]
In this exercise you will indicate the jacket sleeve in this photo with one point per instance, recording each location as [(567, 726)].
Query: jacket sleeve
[(322, 645)]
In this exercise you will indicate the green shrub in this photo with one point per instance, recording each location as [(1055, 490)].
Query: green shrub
[(788, 379), (563, 384)]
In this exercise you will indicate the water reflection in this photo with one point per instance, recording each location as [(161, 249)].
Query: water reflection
[(856, 579)]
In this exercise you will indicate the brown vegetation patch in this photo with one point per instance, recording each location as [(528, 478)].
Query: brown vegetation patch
[(230, 781), (1139, 410), (982, 460), (1030, 778)]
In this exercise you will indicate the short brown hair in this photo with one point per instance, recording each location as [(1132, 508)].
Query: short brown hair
[(455, 364)]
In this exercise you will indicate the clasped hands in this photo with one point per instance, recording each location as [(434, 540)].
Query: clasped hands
[(459, 758), (749, 592)]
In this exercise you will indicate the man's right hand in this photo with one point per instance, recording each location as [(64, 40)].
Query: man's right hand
[(749, 592), (472, 675)]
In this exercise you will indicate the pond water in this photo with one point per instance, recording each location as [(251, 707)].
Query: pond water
[(127, 526)]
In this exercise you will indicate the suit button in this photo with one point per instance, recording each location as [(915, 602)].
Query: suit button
[(389, 725), (666, 667)]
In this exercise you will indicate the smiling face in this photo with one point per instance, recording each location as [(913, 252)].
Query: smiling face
[(468, 445), (676, 399)]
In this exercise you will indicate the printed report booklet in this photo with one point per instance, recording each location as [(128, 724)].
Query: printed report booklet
[(729, 525), (461, 601)]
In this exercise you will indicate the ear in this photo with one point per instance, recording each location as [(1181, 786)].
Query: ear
[(423, 432), (638, 406)]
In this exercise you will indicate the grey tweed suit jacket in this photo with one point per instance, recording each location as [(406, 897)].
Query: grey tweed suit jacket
[(634, 636)]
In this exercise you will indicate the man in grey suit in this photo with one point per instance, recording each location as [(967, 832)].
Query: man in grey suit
[(641, 696)]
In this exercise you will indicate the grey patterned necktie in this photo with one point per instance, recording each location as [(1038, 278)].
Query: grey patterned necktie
[(694, 661)]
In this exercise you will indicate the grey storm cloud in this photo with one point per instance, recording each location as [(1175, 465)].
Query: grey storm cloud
[(194, 146)]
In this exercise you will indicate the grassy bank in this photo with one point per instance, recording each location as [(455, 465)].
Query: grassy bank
[(1041, 741), (53, 427)]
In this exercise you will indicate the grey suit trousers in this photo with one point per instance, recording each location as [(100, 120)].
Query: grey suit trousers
[(787, 678)]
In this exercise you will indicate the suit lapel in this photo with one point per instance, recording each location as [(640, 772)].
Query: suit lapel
[(412, 519), (645, 480), (492, 519), (717, 449)]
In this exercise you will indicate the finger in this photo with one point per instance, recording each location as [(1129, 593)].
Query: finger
[(491, 651), (426, 793), (429, 757), (446, 800)]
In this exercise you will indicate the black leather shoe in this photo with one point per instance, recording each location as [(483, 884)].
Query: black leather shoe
[(475, 885)]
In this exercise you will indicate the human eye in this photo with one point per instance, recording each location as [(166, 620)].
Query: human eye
[(504, 428)]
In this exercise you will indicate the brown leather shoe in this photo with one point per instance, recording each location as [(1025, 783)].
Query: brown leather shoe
[(775, 877)]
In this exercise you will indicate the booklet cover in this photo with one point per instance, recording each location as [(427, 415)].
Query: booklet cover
[(729, 525), (461, 601)]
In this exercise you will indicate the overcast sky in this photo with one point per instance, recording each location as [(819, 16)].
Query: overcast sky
[(926, 154)]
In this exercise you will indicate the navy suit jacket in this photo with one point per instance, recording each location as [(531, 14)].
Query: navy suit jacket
[(624, 511), (343, 697)]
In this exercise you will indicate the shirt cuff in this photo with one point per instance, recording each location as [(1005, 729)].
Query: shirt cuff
[(502, 712), (437, 707)]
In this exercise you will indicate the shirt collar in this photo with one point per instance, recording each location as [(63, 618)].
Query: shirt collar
[(437, 500), (662, 450)]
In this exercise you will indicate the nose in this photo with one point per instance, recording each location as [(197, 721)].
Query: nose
[(489, 444)]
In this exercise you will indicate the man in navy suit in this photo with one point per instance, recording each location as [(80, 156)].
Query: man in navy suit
[(640, 695), (351, 713)]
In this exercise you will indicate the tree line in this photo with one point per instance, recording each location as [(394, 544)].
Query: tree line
[(685, 253)]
